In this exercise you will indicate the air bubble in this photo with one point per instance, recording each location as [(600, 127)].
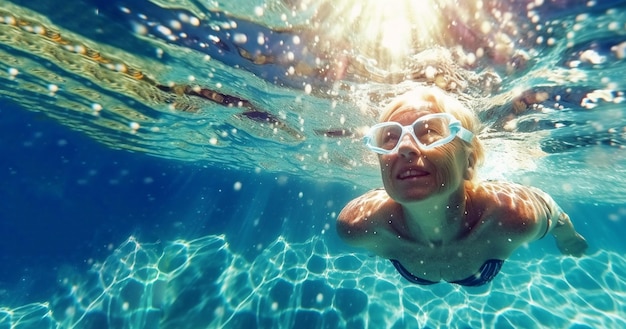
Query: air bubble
[(240, 38)]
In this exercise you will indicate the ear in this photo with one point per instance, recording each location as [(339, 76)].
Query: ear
[(471, 166)]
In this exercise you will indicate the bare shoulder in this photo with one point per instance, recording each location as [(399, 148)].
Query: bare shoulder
[(515, 209), (363, 214)]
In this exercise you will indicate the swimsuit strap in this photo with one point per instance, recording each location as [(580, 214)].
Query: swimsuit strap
[(485, 274), (408, 275)]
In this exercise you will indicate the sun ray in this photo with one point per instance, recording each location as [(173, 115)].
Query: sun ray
[(387, 31)]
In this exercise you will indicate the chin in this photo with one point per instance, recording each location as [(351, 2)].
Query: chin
[(411, 196)]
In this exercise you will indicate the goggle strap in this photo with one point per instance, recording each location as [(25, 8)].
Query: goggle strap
[(465, 135)]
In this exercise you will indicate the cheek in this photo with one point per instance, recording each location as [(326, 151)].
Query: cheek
[(445, 175), (384, 162), (448, 163)]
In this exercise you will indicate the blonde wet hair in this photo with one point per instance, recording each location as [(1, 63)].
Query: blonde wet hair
[(441, 102)]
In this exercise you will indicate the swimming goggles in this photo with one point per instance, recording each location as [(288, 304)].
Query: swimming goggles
[(428, 131)]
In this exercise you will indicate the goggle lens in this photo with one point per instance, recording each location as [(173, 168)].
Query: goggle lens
[(429, 131)]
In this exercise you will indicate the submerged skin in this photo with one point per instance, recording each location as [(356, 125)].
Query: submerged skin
[(437, 220)]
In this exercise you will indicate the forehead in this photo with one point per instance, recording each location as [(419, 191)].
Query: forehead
[(410, 112)]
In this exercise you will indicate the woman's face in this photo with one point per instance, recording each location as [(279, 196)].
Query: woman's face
[(414, 174)]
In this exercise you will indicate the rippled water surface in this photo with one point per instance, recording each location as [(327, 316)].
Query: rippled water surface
[(255, 86), (239, 123)]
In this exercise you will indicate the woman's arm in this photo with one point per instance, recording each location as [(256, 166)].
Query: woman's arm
[(525, 214), (567, 239), (558, 223)]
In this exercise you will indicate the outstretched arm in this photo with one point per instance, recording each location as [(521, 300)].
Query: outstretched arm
[(530, 214), (567, 239), (560, 226)]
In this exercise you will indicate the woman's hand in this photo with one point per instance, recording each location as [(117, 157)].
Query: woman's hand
[(572, 245), (568, 240)]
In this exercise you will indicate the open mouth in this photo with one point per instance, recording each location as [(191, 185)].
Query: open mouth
[(412, 173)]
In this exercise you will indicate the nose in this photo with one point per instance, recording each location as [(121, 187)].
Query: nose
[(408, 147)]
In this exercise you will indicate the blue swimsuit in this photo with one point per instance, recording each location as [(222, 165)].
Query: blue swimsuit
[(485, 274)]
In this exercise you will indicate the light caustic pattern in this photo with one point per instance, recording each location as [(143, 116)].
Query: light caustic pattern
[(204, 284)]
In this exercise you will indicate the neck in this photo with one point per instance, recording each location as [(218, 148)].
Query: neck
[(437, 220)]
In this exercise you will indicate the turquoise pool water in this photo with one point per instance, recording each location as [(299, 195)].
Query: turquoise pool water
[(181, 164)]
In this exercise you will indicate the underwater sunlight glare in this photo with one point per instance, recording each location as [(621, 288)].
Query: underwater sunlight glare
[(388, 31)]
